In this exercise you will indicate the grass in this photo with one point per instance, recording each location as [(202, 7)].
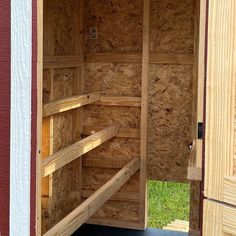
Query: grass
[(167, 202)]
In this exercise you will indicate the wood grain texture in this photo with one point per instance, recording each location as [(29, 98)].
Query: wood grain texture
[(79, 216), (172, 26), (120, 101), (60, 42), (123, 132), (71, 103), (74, 151), (220, 101), (184, 59), (119, 26), (230, 190), (170, 107), (219, 219)]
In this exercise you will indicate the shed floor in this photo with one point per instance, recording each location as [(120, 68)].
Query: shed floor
[(93, 230)]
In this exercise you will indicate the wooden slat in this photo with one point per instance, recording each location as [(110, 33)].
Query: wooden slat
[(230, 190), (220, 100), (66, 155), (123, 132), (184, 59), (194, 173), (119, 101), (62, 61), (119, 196), (144, 114), (113, 57), (82, 213), (67, 104), (219, 219)]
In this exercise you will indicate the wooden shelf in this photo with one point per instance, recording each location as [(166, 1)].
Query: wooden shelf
[(67, 155), (119, 101), (123, 132), (82, 213), (67, 104)]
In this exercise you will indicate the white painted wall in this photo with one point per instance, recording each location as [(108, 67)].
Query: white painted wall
[(21, 60)]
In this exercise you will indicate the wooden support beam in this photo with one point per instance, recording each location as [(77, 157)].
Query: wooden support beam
[(69, 61), (123, 132), (194, 173), (185, 59), (119, 101), (82, 213), (67, 104), (66, 155), (144, 114)]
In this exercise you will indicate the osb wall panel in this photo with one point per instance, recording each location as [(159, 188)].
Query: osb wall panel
[(117, 210), (172, 26), (170, 91), (119, 25), (172, 31), (59, 37), (113, 78), (63, 30), (65, 185), (170, 115), (94, 178)]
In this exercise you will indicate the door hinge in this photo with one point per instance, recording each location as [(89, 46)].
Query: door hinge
[(200, 130)]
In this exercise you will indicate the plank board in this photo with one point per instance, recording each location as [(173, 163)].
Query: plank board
[(79, 216), (72, 152), (220, 100), (71, 103)]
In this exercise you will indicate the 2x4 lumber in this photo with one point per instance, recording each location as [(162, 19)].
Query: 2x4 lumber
[(194, 173), (144, 113), (67, 104), (119, 101), (82, 213), (123, 132), (67, 155), (185, 59), (62, 61)]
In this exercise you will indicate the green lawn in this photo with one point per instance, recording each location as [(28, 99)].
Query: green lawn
[(167, 202)]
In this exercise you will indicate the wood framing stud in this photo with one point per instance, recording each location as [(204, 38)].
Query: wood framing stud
[(67, 155), (69, 103), (62, 61), (82, 213), (185, 59)]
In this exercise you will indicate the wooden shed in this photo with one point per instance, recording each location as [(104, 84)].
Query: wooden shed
[(100, 96)]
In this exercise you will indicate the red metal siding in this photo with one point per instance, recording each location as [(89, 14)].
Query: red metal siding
[(5, 45)]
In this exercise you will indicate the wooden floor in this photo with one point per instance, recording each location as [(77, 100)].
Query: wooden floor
[(92, 230)]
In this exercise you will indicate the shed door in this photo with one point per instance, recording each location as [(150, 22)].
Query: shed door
[(220, 139)]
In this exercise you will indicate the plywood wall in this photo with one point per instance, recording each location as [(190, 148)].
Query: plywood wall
[(61, 190), (119, 26)]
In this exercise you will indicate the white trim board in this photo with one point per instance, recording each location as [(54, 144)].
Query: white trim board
[(20, 144)]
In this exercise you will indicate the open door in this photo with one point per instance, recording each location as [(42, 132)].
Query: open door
[(220, 140)]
